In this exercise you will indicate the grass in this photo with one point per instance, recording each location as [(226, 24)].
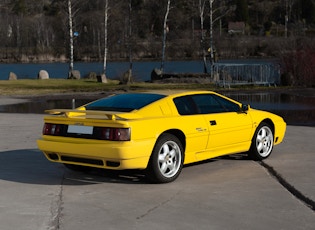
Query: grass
[(60, 86), (44, 87)]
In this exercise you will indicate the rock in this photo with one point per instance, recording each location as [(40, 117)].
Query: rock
[(127, 77), (91, 75), (74, 74), (42, 75), (102, 78), (12, 76), (156, 74)]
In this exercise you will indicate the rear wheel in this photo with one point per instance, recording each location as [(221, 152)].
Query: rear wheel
[(262, 142), (166, 161)]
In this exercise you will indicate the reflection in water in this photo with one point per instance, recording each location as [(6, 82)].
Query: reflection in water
[(297, 108), (39, 106)]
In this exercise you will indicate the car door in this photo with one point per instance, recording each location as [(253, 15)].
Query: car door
[(229, 128), (193, 125)]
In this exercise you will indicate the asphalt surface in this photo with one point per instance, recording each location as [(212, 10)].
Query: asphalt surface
[(225, 193)]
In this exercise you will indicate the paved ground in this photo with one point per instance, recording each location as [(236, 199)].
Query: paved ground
[(228, 193)]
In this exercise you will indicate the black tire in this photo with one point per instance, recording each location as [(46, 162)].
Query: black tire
[(166, 160), (262, 142), (77, 168)]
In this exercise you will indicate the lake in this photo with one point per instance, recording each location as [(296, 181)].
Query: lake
[(141, 70), (296, 106)]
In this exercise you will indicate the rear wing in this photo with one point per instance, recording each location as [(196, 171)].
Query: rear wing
[(92, 114)]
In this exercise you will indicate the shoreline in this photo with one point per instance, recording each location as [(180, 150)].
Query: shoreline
[(11, 98)]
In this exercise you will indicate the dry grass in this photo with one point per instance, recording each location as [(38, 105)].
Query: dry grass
[(53, 86)]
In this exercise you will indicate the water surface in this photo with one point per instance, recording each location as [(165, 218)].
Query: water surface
[(297, 107)]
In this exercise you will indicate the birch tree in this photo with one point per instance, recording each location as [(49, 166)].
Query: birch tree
[(106, 9), (129, 44), (70, 36), (165, 30), (202, 35), (211, 35), (71, 14)]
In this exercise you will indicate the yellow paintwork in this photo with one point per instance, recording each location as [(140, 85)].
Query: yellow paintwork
[(232, 134)]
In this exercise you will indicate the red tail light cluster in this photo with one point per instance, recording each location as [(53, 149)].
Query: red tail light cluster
[(98, 133), (52, 129), (115, 134)]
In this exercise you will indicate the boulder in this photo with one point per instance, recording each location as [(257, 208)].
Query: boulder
[(91, 75), (42, 75), (127, 77), (74, 74), (12, 76), (102, 78), (156, 74)]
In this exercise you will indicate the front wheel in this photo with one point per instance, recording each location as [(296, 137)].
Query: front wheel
[(166, 161), (262, 142)]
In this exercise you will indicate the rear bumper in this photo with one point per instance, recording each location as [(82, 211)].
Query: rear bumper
[(109, 155)]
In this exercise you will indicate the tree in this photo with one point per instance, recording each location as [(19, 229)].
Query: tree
[(305, 10), (129, 43), (165, 31), (241, 12), (70, 36), (106, 9), (201, 7), (72, 33)]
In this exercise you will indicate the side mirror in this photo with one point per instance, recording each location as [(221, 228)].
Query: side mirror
[(245, 108)]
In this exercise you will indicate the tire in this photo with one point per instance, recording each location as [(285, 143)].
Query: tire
[(166, 160), (262, 142)]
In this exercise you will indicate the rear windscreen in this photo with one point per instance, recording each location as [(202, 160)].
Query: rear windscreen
[(123, 102)]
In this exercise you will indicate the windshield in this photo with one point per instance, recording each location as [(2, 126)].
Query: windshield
[(124, 102)]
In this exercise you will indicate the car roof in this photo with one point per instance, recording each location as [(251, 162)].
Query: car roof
[(127, 102)]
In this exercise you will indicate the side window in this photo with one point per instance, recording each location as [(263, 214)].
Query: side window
[(229, 106), (204, 104), (207, 103), (185, 105)]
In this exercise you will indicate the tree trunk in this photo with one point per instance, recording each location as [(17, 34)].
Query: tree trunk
[(202, 41), (70, 36), (129, 45), (165, 30), (105, 36), (211, 37)]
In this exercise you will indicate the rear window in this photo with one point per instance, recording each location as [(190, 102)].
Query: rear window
[(124, 102)]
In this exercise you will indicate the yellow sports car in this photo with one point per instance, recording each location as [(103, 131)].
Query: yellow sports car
[(158, 133)]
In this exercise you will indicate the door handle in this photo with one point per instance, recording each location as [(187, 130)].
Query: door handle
[(213, 122)]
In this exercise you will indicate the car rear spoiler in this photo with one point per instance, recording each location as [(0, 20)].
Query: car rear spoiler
[(92, 114)]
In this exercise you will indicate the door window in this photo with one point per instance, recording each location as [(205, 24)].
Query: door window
[(210, 103), (204, 104)]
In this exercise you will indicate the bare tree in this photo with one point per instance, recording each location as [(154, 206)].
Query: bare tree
[(129, 44), (219, 12), (106, 9), (165, 30), (211, 35), (70, 36), (71, 15), (202, 35)]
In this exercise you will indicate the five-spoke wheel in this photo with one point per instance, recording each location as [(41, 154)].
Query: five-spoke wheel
[(166, 160), (262, 142)]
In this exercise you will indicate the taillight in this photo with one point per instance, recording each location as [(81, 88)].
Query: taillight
[(98, 133), (115, 134), (51, 129)]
